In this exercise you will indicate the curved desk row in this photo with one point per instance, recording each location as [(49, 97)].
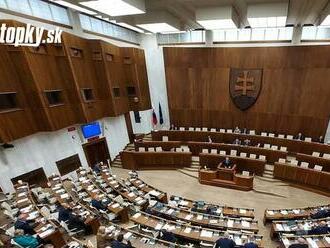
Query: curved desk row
[(295, 146), (321, 241), (313, 160)]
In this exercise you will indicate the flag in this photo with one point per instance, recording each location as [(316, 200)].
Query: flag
[(161, 120), (154, 117)]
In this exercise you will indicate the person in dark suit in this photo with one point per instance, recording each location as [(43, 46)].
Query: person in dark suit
[(237, 130), (299, 137), (119, 243), (96, 203), (227, 163), (63, 213), (168, 236), (321, 139), (24, 224), (251, 244), (225, 242), (247, 142), (301, 243), (237, 142), (97, 168), (322, 213), (322, 228)]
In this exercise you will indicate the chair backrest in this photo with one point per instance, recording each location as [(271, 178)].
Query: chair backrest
[(263, 134), (326, 155), (316, 154), (197, 129), (252, 132), (222, 152), (213, 130), (214, 151), (289, 137), (271, 135), (205, 150), (262, 157), (142, 149), (204, 129), (282, 160), (191, 129), (294, 162), (245, 173), (229, 130), (243, 154), (165, 138), (233, 152), (283, 148), (308, 139), (318, 167), (281, 136), (252, 155), (178, 149), (274, 147), (181, 128), (304, 165), (222, 130), (267, 145), (151, 149), (159, 149)]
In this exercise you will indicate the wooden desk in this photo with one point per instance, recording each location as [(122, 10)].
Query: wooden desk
[(155, 160), (320, 240), (220, 178), (255, 166), (161, 196), (312, 160), (293, 146), (317, 181), (197, 147)]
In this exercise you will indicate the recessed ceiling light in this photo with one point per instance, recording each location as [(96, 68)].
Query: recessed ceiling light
[(158, 27), (217, 24), (267, 22), (115, 7), (326, 21), (123, 24), (75, 7)]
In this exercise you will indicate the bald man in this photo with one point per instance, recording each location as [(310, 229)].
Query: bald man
[(322, 228), (301, 243)]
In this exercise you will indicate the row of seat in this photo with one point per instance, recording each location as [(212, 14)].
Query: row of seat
[(234, 153), (302, 164)]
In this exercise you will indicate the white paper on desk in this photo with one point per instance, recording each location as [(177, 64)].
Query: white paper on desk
[(286, 242), (312, 243), (113, 182), (199, 217), (230, 223), (138, 199), (189, 217), (131, 194), (296, 211), (187, 230), (214, 221), (140, 202), (183, 203), (245, 223), (33, 215), (26, 209), (207, 234), (137, 215), (127, 235), (116, 205), (242, 211), (21, 194), (284, 212), (238, 240), (46, 233), (270, 212), (23, 200), (219, 211), (170, 211), (287, 228), (158, 226), (279, 227), (327, 239), (59, 191), (82, 179), (141, 186), (154, 193), (65, 196)]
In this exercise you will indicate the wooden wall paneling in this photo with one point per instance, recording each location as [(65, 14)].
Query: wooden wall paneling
[(292, 99)]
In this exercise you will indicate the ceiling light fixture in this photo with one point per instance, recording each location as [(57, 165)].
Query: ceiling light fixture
[(75, 7), (158, 27), (326, 21), (117, 7), (125, 25)]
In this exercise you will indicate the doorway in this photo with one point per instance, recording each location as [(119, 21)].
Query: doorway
[(96, 151), (129, 126)]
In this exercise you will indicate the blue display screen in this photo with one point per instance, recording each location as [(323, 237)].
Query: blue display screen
[(91, 130)]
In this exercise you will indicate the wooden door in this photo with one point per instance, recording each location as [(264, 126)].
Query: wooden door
[(129, 127), (96, 151)]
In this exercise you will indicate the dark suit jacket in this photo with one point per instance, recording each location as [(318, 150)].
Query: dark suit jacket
[(25, 226), (298, 246), (98, 205), (250, 245), (117, 244), (225, 243), (63, 214), (168, 236), (319, 230)]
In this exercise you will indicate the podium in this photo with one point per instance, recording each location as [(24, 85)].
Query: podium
[(226, 173)]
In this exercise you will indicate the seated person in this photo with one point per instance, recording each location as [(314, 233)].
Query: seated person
[(246, 142), (322, 213), (102, 238), (119, 243), (237, 130), (25, 240), (301, 243), (167, 236), (96, 203), (172, 127), (320, 139), (322, 228), (26, 225), (251, 244), (209, 139), (225, 242), (244, 131), (299, 137), (237, 142), (227, 163), (172, 202), (97, 168)]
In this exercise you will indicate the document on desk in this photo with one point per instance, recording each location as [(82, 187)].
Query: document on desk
[(199, 217), (245, 223), (242, 211), (270, 212), (170, 211), (21, 194), (60, 191), (64, 196), (183, 203), (187, 230), (238, 240), (137, 215), (207, 234), (284, 212), (26, 209), (159, 226), (219, 210), (214, 221), (131, 194), (279, 227), (312, 243), (127, 235), (46, 233), (154, 193), (33, 215), (296, 211), (116, 205), (230, 223), (23, 200), (286, 242), (327, 239), (189, 217)]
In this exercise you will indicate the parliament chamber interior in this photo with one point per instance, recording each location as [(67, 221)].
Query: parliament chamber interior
[(165, 123)]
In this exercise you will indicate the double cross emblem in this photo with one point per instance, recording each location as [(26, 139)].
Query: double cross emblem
[(244, 83)]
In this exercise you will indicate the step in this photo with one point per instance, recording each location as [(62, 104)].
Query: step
[(268, 172), (268, 176), (191, 169)]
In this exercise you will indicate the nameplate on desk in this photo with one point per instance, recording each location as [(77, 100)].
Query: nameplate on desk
[(137, 215)]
